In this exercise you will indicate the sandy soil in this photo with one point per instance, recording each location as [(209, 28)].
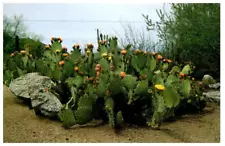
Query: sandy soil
[(22, 125)]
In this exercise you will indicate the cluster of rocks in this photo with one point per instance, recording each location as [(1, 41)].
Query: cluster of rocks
[(35, 88), (213, 92)]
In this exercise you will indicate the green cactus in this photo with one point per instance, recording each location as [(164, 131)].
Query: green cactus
[(109, 106), (84, 112), (171, 97), (119, 119), (185, 88), (116, 96), (66, 115)]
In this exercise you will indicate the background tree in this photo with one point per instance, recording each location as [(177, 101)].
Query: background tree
[(191, 32), (15, 27), (136, 37)]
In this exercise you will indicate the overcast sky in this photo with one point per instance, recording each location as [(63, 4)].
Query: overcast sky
[(42, 16)]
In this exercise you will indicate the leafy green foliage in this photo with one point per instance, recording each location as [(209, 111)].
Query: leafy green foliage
[(191, 32)]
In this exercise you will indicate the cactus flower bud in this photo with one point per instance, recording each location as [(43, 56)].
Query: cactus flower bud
[(65, 54), (61, 63), (47, 46), (22, 51), (104, 54), (57, 51)]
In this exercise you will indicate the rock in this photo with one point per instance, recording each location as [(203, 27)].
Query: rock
[(45, 102), (23, 85), (212, 96), (34, 87), (214, 86), (207, 79)]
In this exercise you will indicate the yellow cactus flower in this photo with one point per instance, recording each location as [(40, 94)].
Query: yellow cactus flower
[(110, 58), (100, 41), (57, 51), (12, 54), (104, 54), (159, 87), (47, 47), (193, 79), (88, 51), (65, 54), (22, 51)]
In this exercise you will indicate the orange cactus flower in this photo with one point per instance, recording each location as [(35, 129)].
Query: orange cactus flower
[(122, 74), (169, 61), (61, 63), (181, 75), (154, 53), (76, 45), (64, 48), (159, 57), (124, 52)]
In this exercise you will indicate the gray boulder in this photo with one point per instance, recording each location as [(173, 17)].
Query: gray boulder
[(24, 85), (45, 102), (212, 96), (214, 86), (207, 79), (32, 86)]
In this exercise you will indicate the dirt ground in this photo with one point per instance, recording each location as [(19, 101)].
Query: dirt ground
[(22, 125)]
